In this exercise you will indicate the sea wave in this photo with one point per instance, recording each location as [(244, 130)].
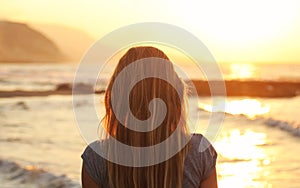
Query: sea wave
[(291, 127), (259, 111), (14, 175)]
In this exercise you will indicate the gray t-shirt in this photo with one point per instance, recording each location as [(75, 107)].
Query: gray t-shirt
[(199, 163)]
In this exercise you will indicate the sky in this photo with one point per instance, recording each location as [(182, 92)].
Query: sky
[(256, 31)]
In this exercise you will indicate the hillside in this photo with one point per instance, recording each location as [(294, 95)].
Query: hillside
[(21, 43), (71, 41)]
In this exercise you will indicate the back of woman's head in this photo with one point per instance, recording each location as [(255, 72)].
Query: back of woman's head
[(142, 75)]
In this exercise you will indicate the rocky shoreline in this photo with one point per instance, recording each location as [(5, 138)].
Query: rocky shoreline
[(234, 88), (249, 88)]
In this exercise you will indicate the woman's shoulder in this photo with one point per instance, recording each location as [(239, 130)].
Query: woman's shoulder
[(90, 148), (199, 142), (93, 153), (94, 163), (199, 162), (201, 148)]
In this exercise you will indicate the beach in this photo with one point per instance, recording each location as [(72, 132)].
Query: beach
[(256, 143), (55, 145), (238, 61)]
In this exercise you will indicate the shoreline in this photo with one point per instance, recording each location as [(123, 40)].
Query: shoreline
[(234, 88), (13, 174)]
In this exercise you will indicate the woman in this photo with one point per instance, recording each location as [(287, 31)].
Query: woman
[(187, 168)]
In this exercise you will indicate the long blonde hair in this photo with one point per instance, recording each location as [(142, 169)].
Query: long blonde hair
[(165, 174)]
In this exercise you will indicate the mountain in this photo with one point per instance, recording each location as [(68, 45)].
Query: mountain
[(72, 42), (21, 43)]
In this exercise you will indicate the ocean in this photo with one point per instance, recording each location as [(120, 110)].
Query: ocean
[(258, 142)]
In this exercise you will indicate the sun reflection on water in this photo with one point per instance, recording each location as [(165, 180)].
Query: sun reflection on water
[(248, 107), (243, 146), (242, 71), (241, 160)]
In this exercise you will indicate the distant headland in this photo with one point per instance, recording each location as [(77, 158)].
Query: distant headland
[(21, 43)]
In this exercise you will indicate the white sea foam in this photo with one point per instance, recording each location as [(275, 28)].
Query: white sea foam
[(13, 175), (291, 127)]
